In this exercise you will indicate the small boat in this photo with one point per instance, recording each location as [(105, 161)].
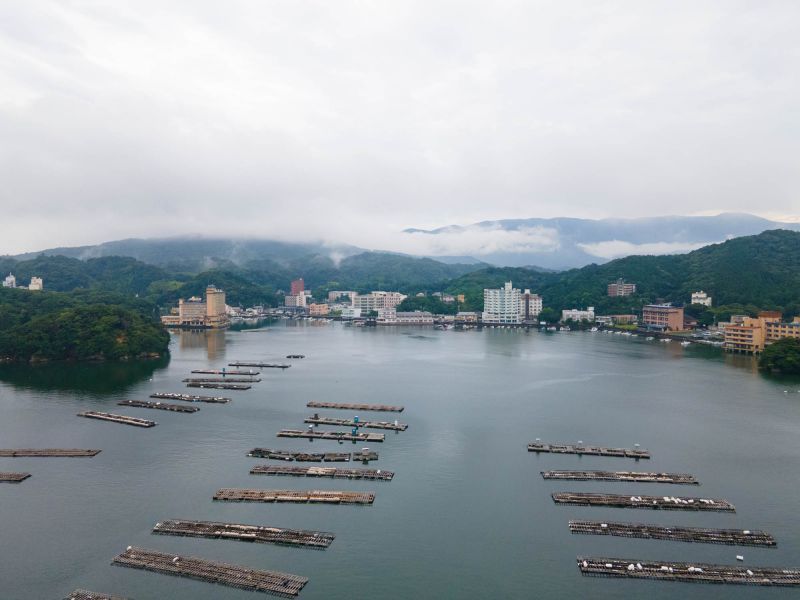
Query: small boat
[(649, 338), (685, 343), (593, 329)]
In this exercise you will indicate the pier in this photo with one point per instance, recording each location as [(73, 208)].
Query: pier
[(224, 372), (86, 595), (260, 365), (653, 502), (395, 426), (13, 477), (159, 406), (289, 455), (700, 535), (221, 380), (688, 572), (190, 398), (637, 477), (375, 407), (47, 452), (245, 533), (332, 472), (256, 580), (302, 496), (219, 386), (589, 450), (123, 419), (332, 435)]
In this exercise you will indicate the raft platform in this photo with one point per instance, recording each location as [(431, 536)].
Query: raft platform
[(13, 477), (290, 455), (332, 472), (700, 535), (245, 533), (219, 386), (637, 477), (395, 426), (256, 580), (123, 419), (260, 365), (654, 502), (688, 572), (589, 450), (87, 595), (224, 372), (159, 406), (332, 435), (295, 356), (47, 452), (302, 496), (375, 407), (190, 398), (221, 380)]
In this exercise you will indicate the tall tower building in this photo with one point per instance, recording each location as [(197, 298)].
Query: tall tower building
[(298, 287), (215, 307)]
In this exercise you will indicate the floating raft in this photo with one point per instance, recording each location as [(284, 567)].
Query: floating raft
[(313, 457), (224, 372), (190, 398), (245, 533), (638, 477), (261, 365), (332, 435), (731, 537), (221, 380), (655, 502), (295, 356), (332, 472), (256, 580), (123, 419), (49, 452), (219, 386), (375, 407), (590, 450), (689, 572), (159, 406), (317, 420), (305, 496), (13, 477), (86, 595)]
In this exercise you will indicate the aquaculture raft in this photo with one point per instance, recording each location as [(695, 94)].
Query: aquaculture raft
[(290, 455), (256, 580), (47, 452), (86, 595), (245, 533), (13, 477), (332, 435), (590, 450), (159, 406), (123, 419), (221, 380), (190, 398), (304, 496), (224, 372), (689, 572), (731, 537), (219, 386), (375, 407), (332, 472), (317, 420), (261, 365), (638, 477), (654, 502)]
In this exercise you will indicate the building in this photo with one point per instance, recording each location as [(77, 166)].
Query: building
[(574, 314), (335, 295), (197, 313), (297, 287), (374, 301), (390, 316), (749, 336), (10, 281), (36, 283), (530, 306), (216, 315), (295, 301), (318, 310), (775, 330), (460, 298), (663, 317), (620, 288), (191, 312), (468, 317), (351, 313), (501, 305), (701, 298), (616, 319)]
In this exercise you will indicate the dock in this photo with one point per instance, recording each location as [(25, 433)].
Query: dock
[(159, 406), (700, 535), (245, 533), (224, 372), (653, 502), (302, 496), (221, 380), (219, 386), (632, 476), (13, 477), (47, 452), (688, 572), (190, 398), (340, 406), (260, 365), (393, 426), (290, 455), (332, 472), (87, 595), (589, 450), (332, 435), (256, 580), (123, 419)]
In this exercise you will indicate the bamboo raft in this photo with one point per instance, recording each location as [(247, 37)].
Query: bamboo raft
[(638, 477), (122, 419), (363, 456), (332, 472), (375, 407), (224, 372), (245, 533), (332, 435), (256, 580), (589, 450), (190, 398), (303, 496), (317, 420), (221, 380), (13, 477), (654, 502), (159, 406), (219, 386), (86, 595), (261, 365), (730, 537), (48, 452), (688, 572)]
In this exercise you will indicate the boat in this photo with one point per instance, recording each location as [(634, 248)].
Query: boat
[(686, 343), (593, 329)]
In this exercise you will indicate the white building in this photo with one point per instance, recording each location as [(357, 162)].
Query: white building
[(701, 298), (530, 305), (578, 315), (351, 313), (374, 301), (36, 283), (335, 295), (298, 301), (390, 316), (501, 305), (10, 281)]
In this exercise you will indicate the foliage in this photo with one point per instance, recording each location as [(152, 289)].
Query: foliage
[(430, 303), (782, 356)]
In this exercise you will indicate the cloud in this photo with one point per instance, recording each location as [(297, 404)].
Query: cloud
[(612, 249), (478, 240)]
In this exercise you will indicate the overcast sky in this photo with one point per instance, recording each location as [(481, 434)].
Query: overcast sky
[(350, 121)]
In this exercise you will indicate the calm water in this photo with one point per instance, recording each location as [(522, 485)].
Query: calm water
[(467, 515)]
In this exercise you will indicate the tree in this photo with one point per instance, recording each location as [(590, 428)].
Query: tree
[(782, 356)]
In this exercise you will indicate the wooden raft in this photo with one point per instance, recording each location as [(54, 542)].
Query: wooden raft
[(638, 477), (654, 502), (731, 537), (123, 419), (375, 407), (261, 365), (290, 455), (190, 398), (688, 572), (48, 452), (394, 426), (219, 386), (332, 435), (13, 477), (304, 496), (245, 533), (86, 595), (225, 372), (332, 472), (588, 450), (159, 406), (256, 580), (221, 380)]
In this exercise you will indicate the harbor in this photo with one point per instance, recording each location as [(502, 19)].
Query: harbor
[(392, 426), (190, 398), (333, 473), (158, 406), (365, 455), (629, 476), (700, 535), (121, 419), (347, 406), (299, 496), (651, 502), (340, 436), (8, 477), (245, 533), (539, 447)]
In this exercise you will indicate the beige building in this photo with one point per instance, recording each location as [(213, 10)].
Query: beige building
[(663, 316), (36, 284), (318, 310), (374, 301), (753, 334), (215, 308), (701, 298), (620, 288), (196, 313)]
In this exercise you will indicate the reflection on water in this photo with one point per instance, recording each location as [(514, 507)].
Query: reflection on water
[(212, 340)]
